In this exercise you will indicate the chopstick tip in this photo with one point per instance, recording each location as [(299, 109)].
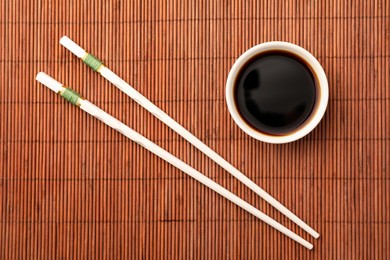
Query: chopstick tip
[(64, 39), (72, 46), (49, 82), (40, 75)]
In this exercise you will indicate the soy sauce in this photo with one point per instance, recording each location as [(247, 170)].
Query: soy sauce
[(275, 92)]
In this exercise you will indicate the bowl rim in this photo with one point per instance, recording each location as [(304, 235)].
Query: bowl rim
[(303, 54)]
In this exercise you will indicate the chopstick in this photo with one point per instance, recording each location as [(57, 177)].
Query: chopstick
[(74, 98), (98, 66)]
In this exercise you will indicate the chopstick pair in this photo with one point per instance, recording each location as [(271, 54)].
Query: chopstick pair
[(74, 98), (98, 66)]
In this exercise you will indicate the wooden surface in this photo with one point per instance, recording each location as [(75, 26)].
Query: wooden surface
[(71, 187)]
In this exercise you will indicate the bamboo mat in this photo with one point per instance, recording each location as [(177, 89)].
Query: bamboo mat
[(71, 187)]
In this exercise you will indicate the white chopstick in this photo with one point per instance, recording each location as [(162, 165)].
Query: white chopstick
[(97, 65), (109, 120)]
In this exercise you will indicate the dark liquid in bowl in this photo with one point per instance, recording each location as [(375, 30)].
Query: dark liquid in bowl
[(275, 92)]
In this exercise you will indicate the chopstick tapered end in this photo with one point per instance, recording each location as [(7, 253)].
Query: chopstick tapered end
[(72, 46)]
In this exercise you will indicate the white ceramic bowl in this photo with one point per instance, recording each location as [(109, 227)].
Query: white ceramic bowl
[(320, 106)]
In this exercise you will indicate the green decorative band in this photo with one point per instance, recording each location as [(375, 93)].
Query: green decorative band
[(92, 61), (71, 96)]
